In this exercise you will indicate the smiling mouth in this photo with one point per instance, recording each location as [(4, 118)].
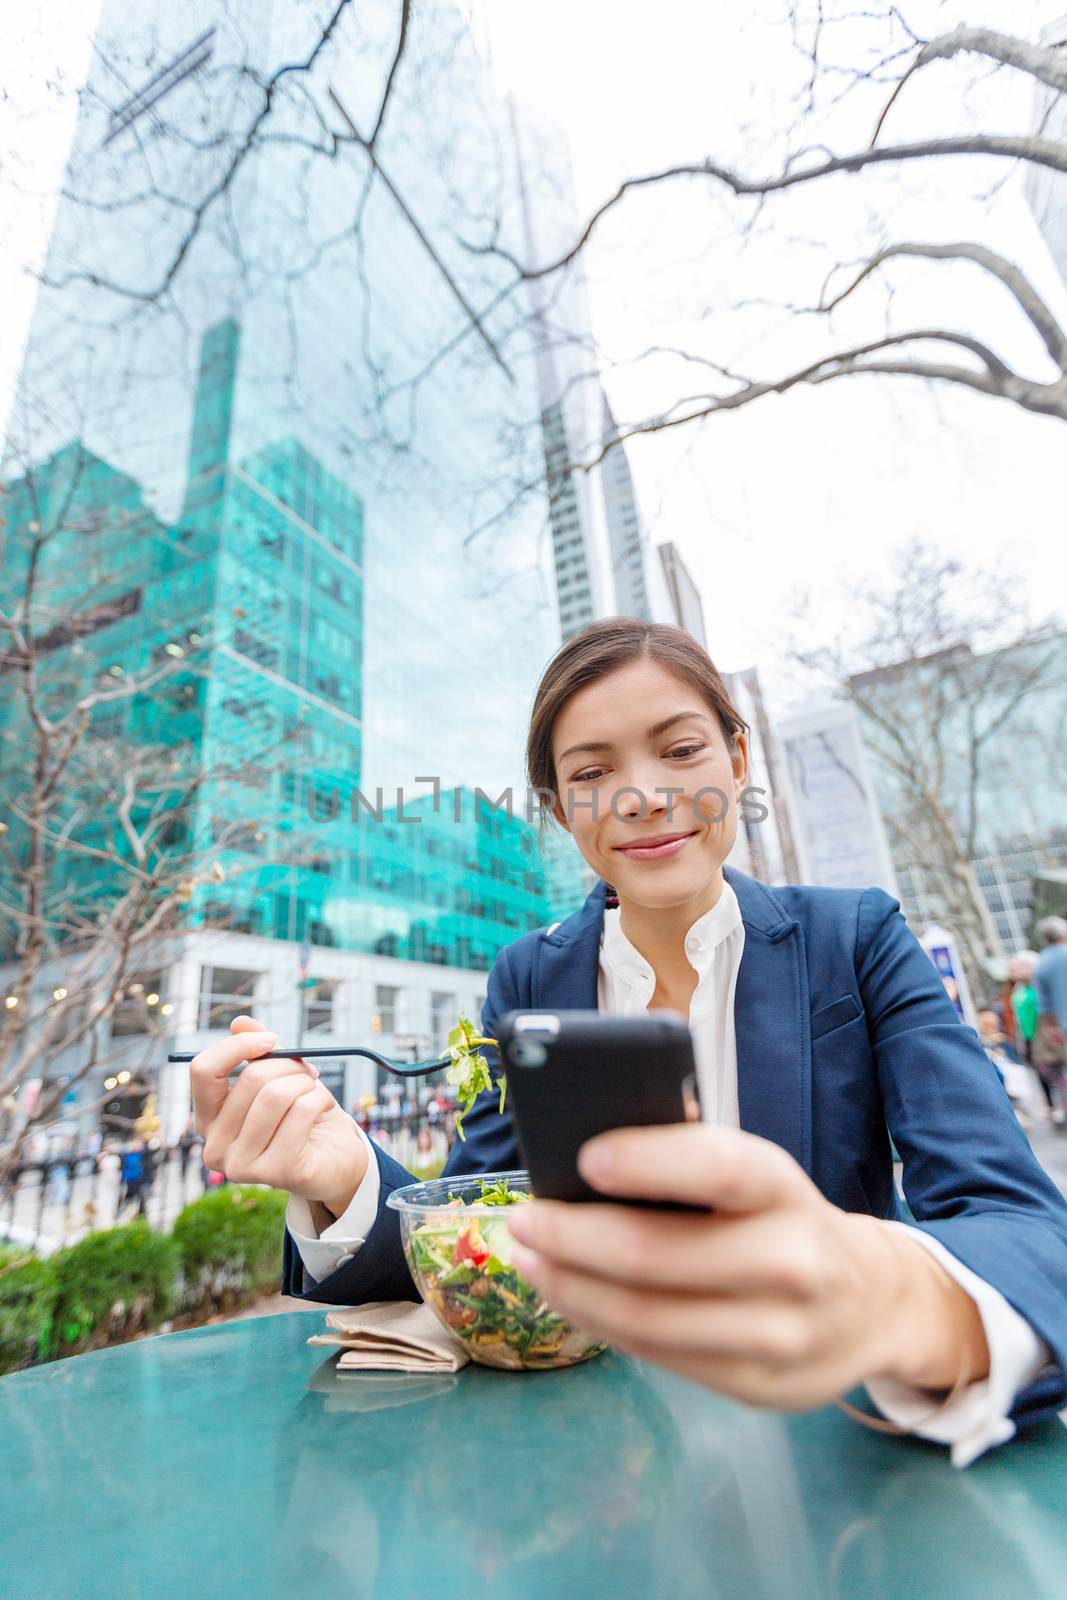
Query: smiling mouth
[(652, 850)]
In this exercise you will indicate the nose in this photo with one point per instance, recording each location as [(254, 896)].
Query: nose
[(635, 796)]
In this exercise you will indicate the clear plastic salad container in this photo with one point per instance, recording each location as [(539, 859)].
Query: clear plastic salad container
[(458, 1248)]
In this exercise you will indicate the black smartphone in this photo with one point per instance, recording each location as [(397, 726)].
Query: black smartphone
[(574, 1074)]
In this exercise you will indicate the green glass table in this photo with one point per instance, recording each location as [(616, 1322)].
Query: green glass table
[(237, 1461)]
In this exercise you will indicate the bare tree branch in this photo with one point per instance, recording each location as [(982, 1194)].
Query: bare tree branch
[(1046, 63), (1019, 147), (1038, 313)]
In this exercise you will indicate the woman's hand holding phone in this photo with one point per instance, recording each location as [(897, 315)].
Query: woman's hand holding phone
[(277, 1124), (775, 1297)]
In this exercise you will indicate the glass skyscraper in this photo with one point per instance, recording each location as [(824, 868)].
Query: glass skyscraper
[(276, 412), (603, 557)]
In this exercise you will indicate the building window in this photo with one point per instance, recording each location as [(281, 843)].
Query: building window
[(384, 1018), (139, 1010), (246, 643), (318, 1007), (225, 993), (443, 1017)]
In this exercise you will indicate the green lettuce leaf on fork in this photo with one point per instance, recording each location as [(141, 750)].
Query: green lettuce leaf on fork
[(469, 1073)]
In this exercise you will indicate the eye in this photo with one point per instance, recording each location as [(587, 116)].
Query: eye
[(584, 777), (687, 750)]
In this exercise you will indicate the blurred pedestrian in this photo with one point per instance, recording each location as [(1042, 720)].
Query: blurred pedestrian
[(1023, 1000), (1049, 1050), (60, 1171), (132, 1170), (1015, 1077), (154, 1157), (186, 1145), (990, 1032), (427, 1161)]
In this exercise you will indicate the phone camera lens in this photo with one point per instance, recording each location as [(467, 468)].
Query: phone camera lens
[(527, 1053)]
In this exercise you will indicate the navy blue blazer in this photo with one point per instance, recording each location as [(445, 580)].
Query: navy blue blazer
[(845, 1036)]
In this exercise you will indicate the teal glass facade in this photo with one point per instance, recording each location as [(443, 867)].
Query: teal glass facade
[(291, 479)]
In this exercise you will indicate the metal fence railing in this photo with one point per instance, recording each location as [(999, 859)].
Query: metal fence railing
[(419, 1140), (55, 1200)]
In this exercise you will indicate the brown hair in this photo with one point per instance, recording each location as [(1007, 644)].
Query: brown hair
[(599, 649)]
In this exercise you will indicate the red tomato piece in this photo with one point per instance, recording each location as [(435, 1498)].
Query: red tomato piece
[(470, 1246)]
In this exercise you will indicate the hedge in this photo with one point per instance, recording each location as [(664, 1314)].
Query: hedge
[(225, 1249), (112, 1284), (27, 1299), (231, 1245)]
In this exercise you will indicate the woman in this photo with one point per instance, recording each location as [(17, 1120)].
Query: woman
[(820, 1028)]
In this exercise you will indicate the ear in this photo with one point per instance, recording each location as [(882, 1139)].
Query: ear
[(739, 761)]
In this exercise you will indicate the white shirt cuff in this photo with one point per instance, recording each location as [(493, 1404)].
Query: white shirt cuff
[(978, 1416), (322, 1253)]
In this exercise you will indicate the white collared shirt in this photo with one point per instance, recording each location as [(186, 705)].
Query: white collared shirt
[(978, 1417)]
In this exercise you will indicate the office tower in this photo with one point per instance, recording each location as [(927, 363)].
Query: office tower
[(605, 563), (685, 596), (987, 736), (1046, 188), (641, 588), (275, 427), (568, 377), (765, 842)]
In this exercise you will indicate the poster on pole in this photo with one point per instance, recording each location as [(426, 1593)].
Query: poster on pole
[(840, 836), (944, 952)]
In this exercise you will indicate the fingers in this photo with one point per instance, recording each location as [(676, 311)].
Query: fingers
[(266, 1115), (761, 1330), (768, 1253), (692, 1162), (285, 1158), (226, 1127), (248, 1025), (210, 1070)]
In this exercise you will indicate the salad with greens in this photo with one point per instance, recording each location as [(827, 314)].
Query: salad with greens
[(469, 1072), (460, 1258)]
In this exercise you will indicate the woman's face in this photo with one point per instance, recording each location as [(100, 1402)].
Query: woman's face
[(621, 747)]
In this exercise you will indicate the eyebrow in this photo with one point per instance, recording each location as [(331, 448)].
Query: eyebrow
[(659, 727)]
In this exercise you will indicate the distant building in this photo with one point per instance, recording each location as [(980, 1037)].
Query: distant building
[(765, 846), (641, 588), (1046, 189), (988, 734), (568, 379), (605, 561), (1049, 899), (685, 596), (235, 492)]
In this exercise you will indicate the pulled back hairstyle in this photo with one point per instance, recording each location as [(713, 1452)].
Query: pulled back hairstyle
[(600, 648)]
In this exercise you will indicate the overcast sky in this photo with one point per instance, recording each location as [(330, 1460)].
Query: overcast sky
[(795, 493), (798, 492)]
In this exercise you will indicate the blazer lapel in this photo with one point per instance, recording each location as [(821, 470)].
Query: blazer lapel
[(771, 1023), (567, 960), (771, 1007)]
